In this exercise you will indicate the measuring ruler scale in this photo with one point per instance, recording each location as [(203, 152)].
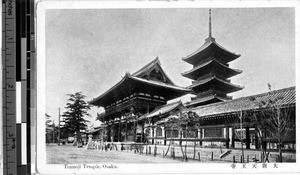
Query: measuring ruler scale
[(9, 87), (17, 52)]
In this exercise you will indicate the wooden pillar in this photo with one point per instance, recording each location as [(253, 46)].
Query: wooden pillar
[(227, 136), (152, 135), (155, 136), (108, 133), (114, 135), (134, 131), (165, 137), (119, 130), (112, 132), (143, 134), (126, 130), (248, 138), (180, 141), (232, 137), (264, 143), (162, 132), (256, 139), (200, 136)]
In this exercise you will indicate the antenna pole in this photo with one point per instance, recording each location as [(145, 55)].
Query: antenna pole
[(209, 23)]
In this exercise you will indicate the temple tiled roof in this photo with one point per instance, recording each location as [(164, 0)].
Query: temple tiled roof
[(162, 110), (284, 97), (161, 84), (110, 95)]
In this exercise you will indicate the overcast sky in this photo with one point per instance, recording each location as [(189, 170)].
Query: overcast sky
[(90, 50)]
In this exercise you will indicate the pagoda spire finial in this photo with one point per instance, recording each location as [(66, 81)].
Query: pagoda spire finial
[(209, 34)]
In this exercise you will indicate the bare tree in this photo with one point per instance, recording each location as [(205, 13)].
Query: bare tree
[(239, 123), (260, 128), (172, 123), (274, 122), (278, 122), (187, 122)]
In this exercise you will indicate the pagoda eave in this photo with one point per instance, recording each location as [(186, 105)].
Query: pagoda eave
[(212, 65), (206, 49), (225, 86)]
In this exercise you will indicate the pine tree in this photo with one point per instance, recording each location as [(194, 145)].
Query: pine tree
[(77, 108), (49, 127)]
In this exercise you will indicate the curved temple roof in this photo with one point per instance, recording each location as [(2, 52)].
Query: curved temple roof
[(136, 81)]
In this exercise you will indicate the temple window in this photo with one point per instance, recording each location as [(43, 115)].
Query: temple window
[(173, 133), (158, 131)]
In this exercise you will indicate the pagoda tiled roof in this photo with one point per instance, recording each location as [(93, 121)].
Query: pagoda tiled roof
[(209, 42), (288, 98), (162, 110), (229, 71), (206, 99), (215, 78)]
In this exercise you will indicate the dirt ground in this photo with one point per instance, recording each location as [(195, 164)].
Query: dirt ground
[(67, 154), (71, 154)]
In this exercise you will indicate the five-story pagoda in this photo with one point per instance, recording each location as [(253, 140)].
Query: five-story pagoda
[(211, 72)]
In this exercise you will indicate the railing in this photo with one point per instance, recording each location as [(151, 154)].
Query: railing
[(126, 102)]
